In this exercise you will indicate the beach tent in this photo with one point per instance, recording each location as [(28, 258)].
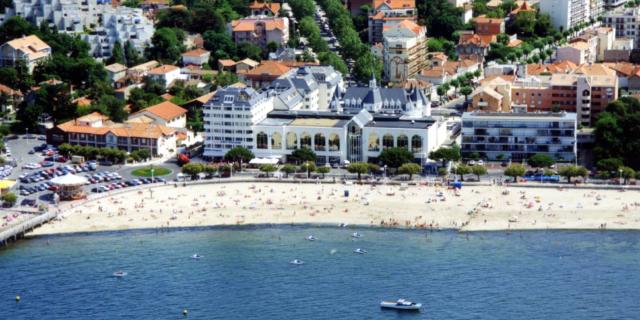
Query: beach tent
[(457, 185)]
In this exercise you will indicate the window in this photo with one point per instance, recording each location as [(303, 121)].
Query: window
[(228, 99), (403, 142), (305, 140), (334, 142), (276, 141), (387, 141), (292, 141), (319, 142), (416, 144), (373, 142), (262, 141)]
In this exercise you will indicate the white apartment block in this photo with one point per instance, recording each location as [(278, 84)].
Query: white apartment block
[(31, 50), (229, 116), (610, 4), (404, 52), (120, 24), (566, 14), (625, 21), (518, 136), (106, 23)]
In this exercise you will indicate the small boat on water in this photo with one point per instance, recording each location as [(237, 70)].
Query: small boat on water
[(401, 304), (356, 235), (296, 262), (311, 238), (360, 251), (196, 256), (120, 274)]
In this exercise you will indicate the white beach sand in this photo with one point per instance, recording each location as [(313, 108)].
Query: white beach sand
[(417, 206)]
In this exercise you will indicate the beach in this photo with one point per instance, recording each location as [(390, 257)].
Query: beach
[(481, 208)]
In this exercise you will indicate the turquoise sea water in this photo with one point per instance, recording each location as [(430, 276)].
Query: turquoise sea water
[(245, 274)]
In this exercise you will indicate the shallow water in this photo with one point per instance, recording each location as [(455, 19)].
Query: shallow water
[(245, 274)]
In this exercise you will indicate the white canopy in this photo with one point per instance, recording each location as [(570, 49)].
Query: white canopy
[(70, 180), (264, 161)]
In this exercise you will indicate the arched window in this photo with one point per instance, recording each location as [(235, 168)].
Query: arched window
[(387, 141), (319, 141), (305, 140), (586, 93), (262, 140), (373, 142), (416, 144), (334, 142), (403, 142), (292, 141), (276, 141)]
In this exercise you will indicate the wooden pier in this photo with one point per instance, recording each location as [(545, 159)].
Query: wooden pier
[(17, 231)]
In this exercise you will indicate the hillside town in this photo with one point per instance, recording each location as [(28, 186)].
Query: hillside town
[(443, 88)]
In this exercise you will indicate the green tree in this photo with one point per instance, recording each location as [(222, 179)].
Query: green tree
[(309, 167), (358, 167), (131, 55), (515, 170), (540, 160), (616, 130), (573, 171), (268, 168), (225, 78), (461, 170), (466, 91), (166, 45), (249, 50), (113, 107), (410, 169), (367, 66), (288, 169), (9, 199), (117, 54), (302, 8), (524, 24), (323, 170), (479, 170), (627, 173), (445, 154), (609, 164), (334, 60), (303, 155), (239, 155), (193, 169), (395, 157)]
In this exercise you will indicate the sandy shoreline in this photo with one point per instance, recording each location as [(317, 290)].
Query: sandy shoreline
[(483, 208)]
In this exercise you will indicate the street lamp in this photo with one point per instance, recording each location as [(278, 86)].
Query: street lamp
[(620, 171)]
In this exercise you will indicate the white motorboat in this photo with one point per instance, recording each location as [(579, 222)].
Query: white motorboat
[(120, 274), (296, 262), (196, 256), (311, 238), (356, 235), (401, 304), (360, 251)]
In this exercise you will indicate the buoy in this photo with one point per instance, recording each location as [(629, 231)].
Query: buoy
[(185, 312), (17, 298)]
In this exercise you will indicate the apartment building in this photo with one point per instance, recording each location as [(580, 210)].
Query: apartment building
[(518, 136), (577, 52), (229, 116), (121, 24), (166, 113), (566, 14), (583, 94), (99, 23), (625, 22), (612, 4), (30, 50), (404, 50), (563, 86), (97, 130), (308, 88), (260, 30), (387, 13)]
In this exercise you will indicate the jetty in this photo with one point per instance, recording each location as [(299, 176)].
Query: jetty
[(17, 231)]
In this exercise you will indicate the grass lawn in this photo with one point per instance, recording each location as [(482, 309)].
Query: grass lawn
[(146, 171)]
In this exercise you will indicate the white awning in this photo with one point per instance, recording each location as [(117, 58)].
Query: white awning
[(264, 161), (70, 180)]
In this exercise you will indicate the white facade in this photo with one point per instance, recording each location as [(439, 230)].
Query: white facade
[(122, 24), (625, 22), (229, 117), (578, 53), (518, 136), (108, 24), (566, 14)]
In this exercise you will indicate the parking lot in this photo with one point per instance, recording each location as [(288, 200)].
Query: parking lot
[(34, 164)]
